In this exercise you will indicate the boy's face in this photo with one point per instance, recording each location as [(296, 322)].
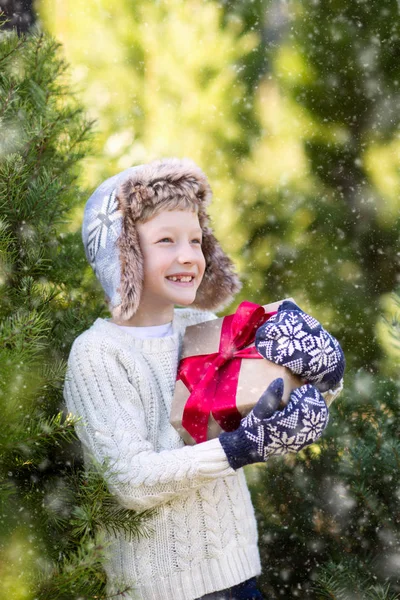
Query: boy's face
[(171, 246)]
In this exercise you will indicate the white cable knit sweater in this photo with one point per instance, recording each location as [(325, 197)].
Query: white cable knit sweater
[(204, 530)]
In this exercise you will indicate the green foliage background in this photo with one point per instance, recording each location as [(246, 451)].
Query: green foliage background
[(291, 110), (50, 510)]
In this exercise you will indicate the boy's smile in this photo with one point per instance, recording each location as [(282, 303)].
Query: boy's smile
[(182, 279), (173, 265)]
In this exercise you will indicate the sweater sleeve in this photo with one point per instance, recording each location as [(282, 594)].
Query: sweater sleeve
[(112, 429)]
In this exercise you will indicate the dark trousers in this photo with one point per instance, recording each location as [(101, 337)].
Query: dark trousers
[(247, 590)]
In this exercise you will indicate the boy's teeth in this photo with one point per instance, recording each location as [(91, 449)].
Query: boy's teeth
[(184, 279)]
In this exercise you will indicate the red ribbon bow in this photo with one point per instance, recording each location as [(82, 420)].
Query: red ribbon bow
[(212, 378)]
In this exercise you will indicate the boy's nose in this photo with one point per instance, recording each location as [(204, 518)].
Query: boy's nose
[(185, 258), (186, 254)]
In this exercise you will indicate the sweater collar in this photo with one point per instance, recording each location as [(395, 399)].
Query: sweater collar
[(147, 344)]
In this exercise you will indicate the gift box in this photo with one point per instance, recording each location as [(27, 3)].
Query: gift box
[(221, 376)]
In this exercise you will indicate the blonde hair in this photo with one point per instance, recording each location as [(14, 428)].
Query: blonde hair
[(173, 203)]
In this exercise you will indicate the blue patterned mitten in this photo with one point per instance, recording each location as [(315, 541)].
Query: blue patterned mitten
[(295, 340), (267, 432)]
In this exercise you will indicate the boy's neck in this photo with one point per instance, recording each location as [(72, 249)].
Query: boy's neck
[(147, 319)]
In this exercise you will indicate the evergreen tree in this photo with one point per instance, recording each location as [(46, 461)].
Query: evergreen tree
[(330, 238), (330, 517), (50, 508)]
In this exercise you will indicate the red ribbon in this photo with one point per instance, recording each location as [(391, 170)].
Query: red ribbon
[(212, 378)]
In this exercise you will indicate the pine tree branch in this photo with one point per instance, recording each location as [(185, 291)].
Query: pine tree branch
[(7, 100), (378, 592), (39, 44), (42, 134), (21, 42), (95, 507), (85, 131), (13, 209), (353, 578), (35, 329), (82, 509), (76, 573), (39, 434)]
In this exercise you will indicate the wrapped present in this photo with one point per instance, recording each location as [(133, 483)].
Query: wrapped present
[(221, 375)]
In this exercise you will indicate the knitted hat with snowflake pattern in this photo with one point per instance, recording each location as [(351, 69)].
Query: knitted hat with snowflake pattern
[(111, 239)]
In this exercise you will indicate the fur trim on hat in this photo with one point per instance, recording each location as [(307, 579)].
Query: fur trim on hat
[(148, 187)]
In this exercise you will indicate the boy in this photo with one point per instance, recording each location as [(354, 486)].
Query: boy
[(146, 235)]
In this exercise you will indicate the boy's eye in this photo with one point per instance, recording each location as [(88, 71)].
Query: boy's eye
[(167, 239)]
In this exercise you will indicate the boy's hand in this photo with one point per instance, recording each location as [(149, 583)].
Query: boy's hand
[(295, 340), (266, 432)]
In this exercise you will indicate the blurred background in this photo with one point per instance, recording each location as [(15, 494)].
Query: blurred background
[(292, 110)]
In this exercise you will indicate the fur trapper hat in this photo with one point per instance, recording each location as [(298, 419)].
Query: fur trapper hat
[(111, 239)]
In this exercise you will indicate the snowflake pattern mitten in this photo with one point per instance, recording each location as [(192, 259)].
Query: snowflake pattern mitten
[(295, 340), (266, 432)]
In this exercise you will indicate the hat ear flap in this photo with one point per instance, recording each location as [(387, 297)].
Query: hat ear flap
[(220, 282), (131, 260)]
